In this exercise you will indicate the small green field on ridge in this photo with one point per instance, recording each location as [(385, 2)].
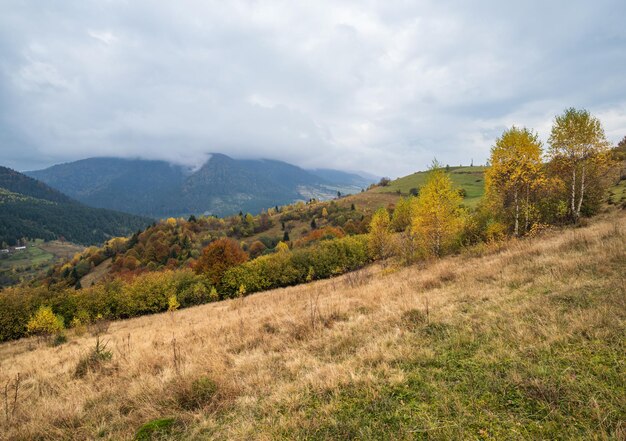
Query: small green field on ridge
[(471, 179)]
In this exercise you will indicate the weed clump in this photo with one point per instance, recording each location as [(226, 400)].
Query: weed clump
[(199, 394), (155, 429), (59, 339), (414, 319), (94, 361)]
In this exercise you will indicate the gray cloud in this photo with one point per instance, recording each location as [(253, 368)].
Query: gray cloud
[(376, 86)]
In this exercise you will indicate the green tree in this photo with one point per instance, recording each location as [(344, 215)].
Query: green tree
[(579, 153), (516, 171)]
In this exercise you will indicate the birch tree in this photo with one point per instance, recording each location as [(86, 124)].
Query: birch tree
[(438, 215), (515, 172), (380, 238), (579, 151)]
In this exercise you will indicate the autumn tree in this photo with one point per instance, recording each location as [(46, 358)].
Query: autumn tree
[(282, 247), (579, 154), (619, 151), (438, 216), (402, 215), (516, 171), (256, 248), (44, 322), (218, 257), (380, 239)]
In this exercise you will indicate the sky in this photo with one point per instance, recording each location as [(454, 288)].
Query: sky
[(377, 86)]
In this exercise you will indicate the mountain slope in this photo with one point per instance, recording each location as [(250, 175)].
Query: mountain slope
[(222, 186), (31, 209), (469, 178), (129, 185), (523, 340)]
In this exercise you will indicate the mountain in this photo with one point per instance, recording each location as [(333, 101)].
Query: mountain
[(222, 186), (128, 185), (345, 178), (30, 208)]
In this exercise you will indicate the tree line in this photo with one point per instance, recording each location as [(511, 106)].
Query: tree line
[(526, 188)]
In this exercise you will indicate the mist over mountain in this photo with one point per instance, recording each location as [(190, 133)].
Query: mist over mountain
[(221, 186)]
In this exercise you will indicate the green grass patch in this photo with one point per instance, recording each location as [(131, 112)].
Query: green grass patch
[(617, 194), (471, 179), (155, 430)]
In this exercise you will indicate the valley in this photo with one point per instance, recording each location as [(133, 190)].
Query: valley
[(34, 261)]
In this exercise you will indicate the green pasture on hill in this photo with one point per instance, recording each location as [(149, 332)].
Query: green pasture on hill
[(471, 179)]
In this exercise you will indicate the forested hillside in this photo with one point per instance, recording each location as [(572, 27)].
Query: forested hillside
[(32, 210), (222, 186)]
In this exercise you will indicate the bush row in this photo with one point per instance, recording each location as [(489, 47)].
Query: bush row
[(150, 293), (326, 259)]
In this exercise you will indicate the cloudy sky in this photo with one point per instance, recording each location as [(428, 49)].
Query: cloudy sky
[(357, 85)]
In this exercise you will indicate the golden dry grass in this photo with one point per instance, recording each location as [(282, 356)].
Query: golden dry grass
[(301, 362)]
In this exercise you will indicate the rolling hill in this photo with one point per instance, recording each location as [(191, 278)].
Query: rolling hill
[(471, 179), (520, 340), (222, 186), (31, 209)]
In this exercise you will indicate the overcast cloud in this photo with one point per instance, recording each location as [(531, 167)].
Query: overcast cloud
[(358, 85)]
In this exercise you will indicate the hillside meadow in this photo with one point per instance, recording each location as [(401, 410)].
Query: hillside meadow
[(516, 340), (470, 178)]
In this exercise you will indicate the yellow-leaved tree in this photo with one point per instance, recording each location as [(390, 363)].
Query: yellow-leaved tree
[(44, 322), (403, 214), (438, 216), (380, 238), (282, 247), (515, 172), (580, 156)]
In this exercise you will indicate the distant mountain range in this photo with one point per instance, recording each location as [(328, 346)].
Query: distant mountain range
[(31, 209), (222, 186)]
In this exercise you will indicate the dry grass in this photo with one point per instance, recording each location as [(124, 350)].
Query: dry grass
[(523, 341)]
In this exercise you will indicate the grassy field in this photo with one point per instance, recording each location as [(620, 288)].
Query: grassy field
[(470, 178), (617, 193), (523, 340), (35, 260)]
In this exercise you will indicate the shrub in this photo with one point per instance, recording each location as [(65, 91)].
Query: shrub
[(94, 361), (218, 257), (326, 259), (45, 323), (200, 393), (172, 303), (59, 339)]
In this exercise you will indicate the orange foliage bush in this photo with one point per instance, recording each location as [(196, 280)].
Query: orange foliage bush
[(321, 234), (219, 256)]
